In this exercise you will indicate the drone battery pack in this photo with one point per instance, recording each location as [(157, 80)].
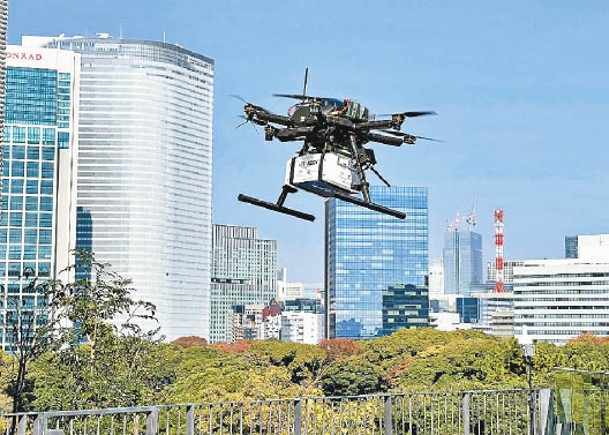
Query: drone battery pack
[(322, 174)]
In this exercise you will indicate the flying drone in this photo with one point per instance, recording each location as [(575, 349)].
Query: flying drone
[(333, 160)]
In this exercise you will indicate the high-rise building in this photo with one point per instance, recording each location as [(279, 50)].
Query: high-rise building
[(570, 246), (436, 277), (145, 170), (557, 300), (288, 290), (244, 272), (462, 261), (38, 217), (366, 252), (405, 306), (3, 26)]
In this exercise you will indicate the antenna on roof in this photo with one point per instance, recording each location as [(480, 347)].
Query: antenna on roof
[(120, 31), (164, 37)]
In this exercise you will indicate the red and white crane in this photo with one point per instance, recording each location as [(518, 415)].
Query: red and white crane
[(499, 275)]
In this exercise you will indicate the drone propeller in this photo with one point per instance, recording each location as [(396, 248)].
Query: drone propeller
[(409, 114), (243, 100), (406, 135), (380, 176), (247, 121)]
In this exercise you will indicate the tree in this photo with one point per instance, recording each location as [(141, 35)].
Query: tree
[(101, 355), (190, 341), (28, 328)]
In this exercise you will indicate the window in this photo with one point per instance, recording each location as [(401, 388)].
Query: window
[(46, 220), (45, 236), (16, 220), (31, 187), (18, 152), (18, 134), (30, 236), (47, 187), (63, 140), (48, 137), (16, 186), (33, 152), (46, 203), (47, 170), (48, 153), (32, 169), (31, 203), (33, 135), (31, 220), (16, 203), (17, 168)]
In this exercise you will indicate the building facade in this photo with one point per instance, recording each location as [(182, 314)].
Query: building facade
[(366, 252), (462, 261), (405, 306), (244, 272), (38, 216), (557, 300), (436, 277), (145, 171), (3, 28)]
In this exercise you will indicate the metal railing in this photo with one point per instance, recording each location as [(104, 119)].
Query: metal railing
[(500, 412)]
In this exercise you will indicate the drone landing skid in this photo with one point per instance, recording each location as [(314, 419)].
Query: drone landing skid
[(276, 207), (370, 205)]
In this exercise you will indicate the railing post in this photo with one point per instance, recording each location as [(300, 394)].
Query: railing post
[(298, 417), (465, 404), (152, 422), (388, 423), (190, 420)]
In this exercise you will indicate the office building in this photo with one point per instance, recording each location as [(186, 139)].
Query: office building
[(145, 170), (571, 247), (469, 309), (502, 323), (508, 272), (405, 306), (593, 247), (38, 217), (366, 252), (436, 277), (254, 322), (3, 26), (557, 300), (462, 261), (288, 290), (244, 272), (301, 327)]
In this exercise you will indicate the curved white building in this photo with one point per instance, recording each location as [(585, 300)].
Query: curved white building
[(145, 170)]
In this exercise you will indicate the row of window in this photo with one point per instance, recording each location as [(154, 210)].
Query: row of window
[(32, 203), (32, 220), (32, 187), (18, 135), (18, 152), (26, 252)]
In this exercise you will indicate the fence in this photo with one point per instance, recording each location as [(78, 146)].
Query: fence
[(440, 413)]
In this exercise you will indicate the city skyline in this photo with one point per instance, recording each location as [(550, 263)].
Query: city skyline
[(519, 100)]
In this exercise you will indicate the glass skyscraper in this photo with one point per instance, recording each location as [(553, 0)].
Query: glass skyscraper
[(367, 252), (38, 217), (462, 261), (3, 25), (145, 171), (244, 272)]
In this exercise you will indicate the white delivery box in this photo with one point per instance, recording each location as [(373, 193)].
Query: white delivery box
[(321, 175)]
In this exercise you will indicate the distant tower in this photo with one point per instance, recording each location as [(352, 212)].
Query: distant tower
[(499, 287)]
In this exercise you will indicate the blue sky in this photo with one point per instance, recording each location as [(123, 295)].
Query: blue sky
[(521, 89)]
